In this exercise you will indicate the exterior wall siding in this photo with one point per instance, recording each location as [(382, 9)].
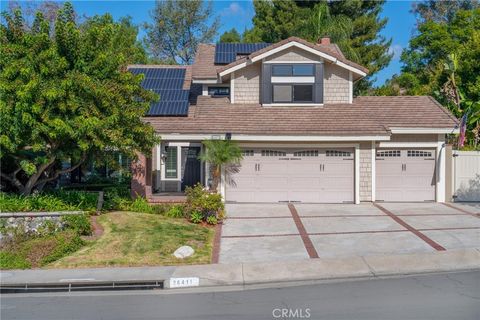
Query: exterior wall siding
[(247, 84), (336, 84), (366, 171)]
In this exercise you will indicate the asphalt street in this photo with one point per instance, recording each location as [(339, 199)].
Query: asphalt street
[(433, 296)]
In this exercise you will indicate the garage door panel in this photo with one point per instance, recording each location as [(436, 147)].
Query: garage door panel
[(405, 175), (304, 196), (272, 183), (336, 196), (271, 196), (241, 196), (270, 167), (306, 183), (339, 183), (304, 168)]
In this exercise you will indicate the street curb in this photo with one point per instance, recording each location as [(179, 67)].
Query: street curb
[(242, 274)]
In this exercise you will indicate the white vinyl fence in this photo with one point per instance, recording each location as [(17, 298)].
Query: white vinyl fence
[(466, 175)]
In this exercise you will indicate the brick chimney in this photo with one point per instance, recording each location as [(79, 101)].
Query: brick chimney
[(324, 40)]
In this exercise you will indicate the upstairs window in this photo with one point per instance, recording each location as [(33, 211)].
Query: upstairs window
[(219, 91), (302, 93), (293, 70)]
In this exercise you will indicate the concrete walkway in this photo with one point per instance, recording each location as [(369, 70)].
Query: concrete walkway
[(286, 232), (262, 273)]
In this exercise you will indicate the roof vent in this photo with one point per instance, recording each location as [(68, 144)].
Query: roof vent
[(324, 40)]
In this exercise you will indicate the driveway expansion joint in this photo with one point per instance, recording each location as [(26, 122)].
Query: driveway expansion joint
[(461, 210), (419, 234), (307, 242)]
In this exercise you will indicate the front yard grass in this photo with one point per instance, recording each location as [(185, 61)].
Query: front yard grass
[(141, 239)]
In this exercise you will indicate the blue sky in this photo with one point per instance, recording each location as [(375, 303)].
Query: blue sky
[(239, 14)]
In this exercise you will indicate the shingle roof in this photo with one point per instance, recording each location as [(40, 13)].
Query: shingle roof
[(366, 116), (407, 111), (327, 49), (204, 67)]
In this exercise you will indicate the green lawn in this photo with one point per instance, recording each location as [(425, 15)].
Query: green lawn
[(141, 239)]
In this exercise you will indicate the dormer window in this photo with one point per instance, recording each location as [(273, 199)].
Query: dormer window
[(295, 70), (296, 84), (219, 91)]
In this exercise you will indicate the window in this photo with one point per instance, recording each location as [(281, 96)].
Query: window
[(336, 153), (171, 162), (388, 153), (219, 91), (273, 153), (292, 93), (419, 153), (282, 93), (285, 70), (302, 93), (247, 153), (306, 153)]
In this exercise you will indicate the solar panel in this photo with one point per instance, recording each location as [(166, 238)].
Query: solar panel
[(226, 53), (168, 84)]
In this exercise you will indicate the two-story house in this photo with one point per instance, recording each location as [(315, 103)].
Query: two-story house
[(305, 138)]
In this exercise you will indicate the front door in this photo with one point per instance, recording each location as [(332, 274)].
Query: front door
[(191, 167)]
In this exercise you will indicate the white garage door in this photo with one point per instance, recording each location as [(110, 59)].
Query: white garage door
[(405, 175), (309, 175)]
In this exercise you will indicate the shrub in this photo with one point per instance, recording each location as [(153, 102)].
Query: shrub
[(140, 205), (212, 220), (175, 211), (116, 197), (55, 201), (80, 223), (203, 201), (9, 260), (196, 217)]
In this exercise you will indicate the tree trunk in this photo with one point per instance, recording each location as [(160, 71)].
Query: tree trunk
[(32, 181), (216, 178)]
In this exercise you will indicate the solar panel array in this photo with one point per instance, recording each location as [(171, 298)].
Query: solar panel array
[(168, 84), (226, 53)]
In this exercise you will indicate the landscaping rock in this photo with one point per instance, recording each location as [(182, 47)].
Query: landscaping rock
[(183, 252)]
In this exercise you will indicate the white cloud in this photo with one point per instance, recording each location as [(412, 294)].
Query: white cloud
[(396, 49), (234, 9)]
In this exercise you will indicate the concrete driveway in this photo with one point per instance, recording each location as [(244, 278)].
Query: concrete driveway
[(276, 232)]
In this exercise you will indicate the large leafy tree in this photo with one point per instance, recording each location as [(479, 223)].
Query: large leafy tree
[(442, 61), (66, 95), (178, 27), (353, 24), (231, 36)]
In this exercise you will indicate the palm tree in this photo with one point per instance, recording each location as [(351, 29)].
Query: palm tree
[(220, 153)]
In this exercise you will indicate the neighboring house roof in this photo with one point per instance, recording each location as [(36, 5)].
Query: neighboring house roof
[(366, 116), (330, 51)]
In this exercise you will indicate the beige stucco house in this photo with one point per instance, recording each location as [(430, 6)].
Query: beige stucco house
[(305, 138)]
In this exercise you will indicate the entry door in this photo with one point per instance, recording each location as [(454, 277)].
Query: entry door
[(307, 175), (405, 175), (190, 166)]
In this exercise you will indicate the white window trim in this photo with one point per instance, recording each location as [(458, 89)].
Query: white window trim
[(179, 146), (391, 144), (293, 79)]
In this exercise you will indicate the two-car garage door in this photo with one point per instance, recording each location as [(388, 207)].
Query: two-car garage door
[(307, 175)]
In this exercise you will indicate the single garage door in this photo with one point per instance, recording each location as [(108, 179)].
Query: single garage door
[(405, 175), (307, 175)]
